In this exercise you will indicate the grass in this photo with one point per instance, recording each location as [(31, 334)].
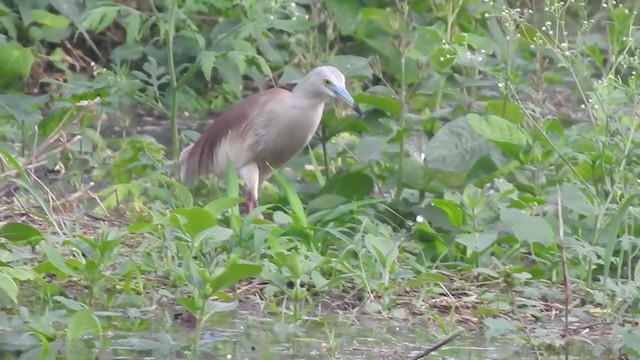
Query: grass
[(519, 211)]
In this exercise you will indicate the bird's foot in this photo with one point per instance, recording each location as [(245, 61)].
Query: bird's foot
[(252, 204)]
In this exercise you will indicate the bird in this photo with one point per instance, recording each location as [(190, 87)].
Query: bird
[(264, 131)]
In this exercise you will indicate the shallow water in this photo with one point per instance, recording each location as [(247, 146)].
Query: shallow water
[(242, 335)]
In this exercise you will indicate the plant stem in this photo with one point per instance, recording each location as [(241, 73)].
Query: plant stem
[(173, 115), (325, 155), (400, 187)]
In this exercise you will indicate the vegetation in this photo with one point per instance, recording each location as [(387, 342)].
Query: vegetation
[(491, 184)]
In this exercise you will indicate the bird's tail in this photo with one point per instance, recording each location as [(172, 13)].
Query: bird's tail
[(186, 176)]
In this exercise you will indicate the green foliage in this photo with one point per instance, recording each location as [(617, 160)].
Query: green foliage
[(498, 146)]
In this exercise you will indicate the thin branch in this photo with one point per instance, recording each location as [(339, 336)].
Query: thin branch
[(438, 345)]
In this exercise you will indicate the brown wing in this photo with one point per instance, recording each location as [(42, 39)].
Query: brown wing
[(225, 135)]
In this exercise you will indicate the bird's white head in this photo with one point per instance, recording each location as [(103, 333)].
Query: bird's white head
[(328, 81)]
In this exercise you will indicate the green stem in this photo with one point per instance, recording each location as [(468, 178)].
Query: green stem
[(325, 155), (173, 115), (400, 187)]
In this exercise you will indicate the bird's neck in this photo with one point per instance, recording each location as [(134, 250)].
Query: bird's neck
[(301, 115)]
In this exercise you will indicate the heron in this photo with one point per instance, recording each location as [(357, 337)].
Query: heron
[(264, 131)]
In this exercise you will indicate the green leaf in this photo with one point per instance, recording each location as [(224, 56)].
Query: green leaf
[(101, 17), (352, 66), (9, 287), (426, 278), (508, 110), (189, 304), (324, 202), (343, 13), (456, 147), (71, 304), (49, 19), (293, 262), (294, 199), (477, 242), (372, 148), (57, 261), (19, 232), (234, 273), (83, 323), (196, 220), (452, 210), (610, 232), (387, 104), (16, 62), (499, 326), (207, 61), (575, 199), (385, 250), (132, 24), (349, 185), (525, 227), (495, 128)]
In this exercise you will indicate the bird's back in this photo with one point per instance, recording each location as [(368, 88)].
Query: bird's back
[(227, 136)]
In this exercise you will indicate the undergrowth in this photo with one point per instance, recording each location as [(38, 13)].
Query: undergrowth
[(492, 180)]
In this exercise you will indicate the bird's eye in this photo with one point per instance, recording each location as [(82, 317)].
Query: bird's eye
[(327, 82)]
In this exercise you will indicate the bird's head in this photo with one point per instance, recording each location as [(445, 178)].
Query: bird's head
[(330, 82)]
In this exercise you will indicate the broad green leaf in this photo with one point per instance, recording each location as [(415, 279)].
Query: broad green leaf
[(507, 110), (477, 242), (83, 323), (71, 304), (207, 61), (631, 339), (349, 185), (372, 148), (46, 18), (222, 204), (189, 304), (16, 62), (609, 234), (324, 202), (456, 147), (525, 227), (385, 250), (281, 218), (196, 220), (426, 278), (499, 326), (575, 199), (131, 24), (318, 280), (99, 18), (213, 307), (9, 287), (212, 237), (352, 66), (292, 75), (344, 14), (388, 104), (293, 262), (53, 254), (234, 273), (19, 232), (444, 57), (495, 128), (452, 210), (428, 40), (77, 350)]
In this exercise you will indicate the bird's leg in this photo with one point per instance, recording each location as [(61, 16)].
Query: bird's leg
[(251, 204), (250, 174)]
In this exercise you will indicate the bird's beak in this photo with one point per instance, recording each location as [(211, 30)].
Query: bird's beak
[(343, 94)]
